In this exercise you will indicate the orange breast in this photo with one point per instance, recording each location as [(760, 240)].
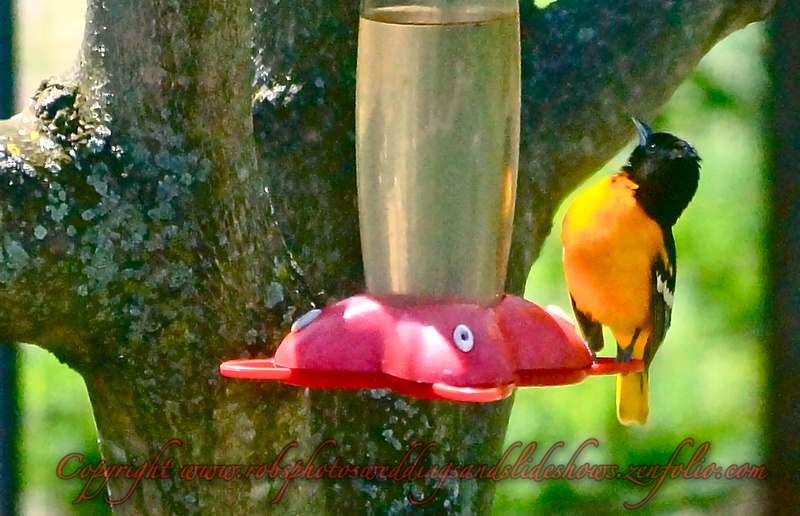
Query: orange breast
[(609, 247)]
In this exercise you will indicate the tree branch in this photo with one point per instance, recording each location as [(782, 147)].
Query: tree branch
[(586, 69)]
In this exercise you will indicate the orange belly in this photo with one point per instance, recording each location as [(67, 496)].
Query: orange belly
[(609, 248)]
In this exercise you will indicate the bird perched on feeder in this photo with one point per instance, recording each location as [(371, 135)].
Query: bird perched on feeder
[(619, 256)]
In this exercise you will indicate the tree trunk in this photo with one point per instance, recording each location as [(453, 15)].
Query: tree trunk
[(783, 312), (160, 215)]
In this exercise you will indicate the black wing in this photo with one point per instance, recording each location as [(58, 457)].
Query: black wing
[(662, 294), (592, 330)]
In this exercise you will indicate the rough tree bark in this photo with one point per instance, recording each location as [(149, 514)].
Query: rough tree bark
[(782, 314), (161, 213)]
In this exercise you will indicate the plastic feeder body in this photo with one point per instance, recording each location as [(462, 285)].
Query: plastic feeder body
[(437, 137)]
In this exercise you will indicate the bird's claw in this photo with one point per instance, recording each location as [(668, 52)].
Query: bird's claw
[(624, 355)]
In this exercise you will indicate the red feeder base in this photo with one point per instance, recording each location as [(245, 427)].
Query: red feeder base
[(439, 351)]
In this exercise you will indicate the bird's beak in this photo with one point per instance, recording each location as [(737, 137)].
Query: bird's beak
[(643, 129)]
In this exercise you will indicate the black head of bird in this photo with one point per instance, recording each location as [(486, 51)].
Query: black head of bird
[(666, 170)]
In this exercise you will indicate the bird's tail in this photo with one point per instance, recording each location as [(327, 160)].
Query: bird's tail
[(633, 403)]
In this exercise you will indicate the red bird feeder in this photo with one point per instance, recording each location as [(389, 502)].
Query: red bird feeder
[(442, 351), (437, 122)]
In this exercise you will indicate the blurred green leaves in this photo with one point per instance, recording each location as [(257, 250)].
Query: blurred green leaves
[(56, 421)]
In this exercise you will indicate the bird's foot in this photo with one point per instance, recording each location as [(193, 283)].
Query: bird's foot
[(624, 355)]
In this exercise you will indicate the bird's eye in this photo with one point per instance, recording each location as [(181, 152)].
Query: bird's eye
[(463, 338), (652, 146)]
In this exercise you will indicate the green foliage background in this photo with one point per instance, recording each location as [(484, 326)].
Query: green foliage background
[(706, 382)]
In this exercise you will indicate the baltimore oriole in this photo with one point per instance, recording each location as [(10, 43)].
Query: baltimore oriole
[(619, 256)]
